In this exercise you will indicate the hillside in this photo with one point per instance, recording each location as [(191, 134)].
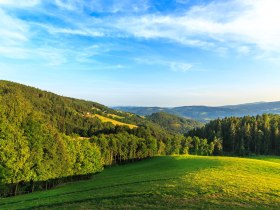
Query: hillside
[(244, 135), (69, 115), (172, 182), (173, 123), (207, 113), (40, 131)]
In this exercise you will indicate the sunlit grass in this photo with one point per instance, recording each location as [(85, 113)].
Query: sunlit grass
[(115, 116), (172, 182), (275, 159), (114, 122)]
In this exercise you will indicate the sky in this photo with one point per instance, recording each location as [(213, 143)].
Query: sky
[(144, 52)]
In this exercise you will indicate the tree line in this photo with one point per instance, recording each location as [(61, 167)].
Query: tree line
[(249, 135)]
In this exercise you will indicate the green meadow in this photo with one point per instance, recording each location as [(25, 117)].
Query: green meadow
[(168, 182)]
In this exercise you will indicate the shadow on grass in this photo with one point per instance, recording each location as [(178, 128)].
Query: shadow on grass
[(92, 189), (174, 166)]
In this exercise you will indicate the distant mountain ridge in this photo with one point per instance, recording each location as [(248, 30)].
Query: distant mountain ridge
[(206, 113)]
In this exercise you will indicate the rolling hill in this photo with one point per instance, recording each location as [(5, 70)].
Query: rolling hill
[(74, 116), (40, 131), (171, 182), (206, 113), (173, 123), (69, 115), (47, 140)]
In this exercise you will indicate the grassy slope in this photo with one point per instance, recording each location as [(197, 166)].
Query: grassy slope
[(114, 122), (274, 159), (167, 183)]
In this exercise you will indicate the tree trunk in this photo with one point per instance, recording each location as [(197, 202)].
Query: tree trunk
[(16, 189)]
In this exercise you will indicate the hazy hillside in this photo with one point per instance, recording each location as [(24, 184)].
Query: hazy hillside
[(173, 122), (206, 113)]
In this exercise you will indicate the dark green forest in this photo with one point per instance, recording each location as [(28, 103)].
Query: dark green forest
[(173, 123), (46, 139), (249, 135)]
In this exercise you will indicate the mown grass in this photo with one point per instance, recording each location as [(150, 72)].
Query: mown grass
[(172, 182)]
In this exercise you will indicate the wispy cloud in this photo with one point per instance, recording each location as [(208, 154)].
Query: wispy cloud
[(22, 3), (214, 25), (12, 30), (175, 66), (70, 31), (239, 26), (181, 67), (110, 6)]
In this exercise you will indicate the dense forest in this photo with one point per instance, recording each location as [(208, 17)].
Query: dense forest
[(247, 135), (46, 139), (173, 123)]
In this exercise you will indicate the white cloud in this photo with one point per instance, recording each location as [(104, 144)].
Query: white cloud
[(21, 3), (128, 6), (13, 52), (14, 35), (53, 56), (241, 26), (243, 50), (69, 4), (111, 6), (180, 67), (245, 22), (12, 30), (81, 32), (176, 66)]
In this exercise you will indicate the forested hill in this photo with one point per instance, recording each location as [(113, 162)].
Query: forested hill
[(207, 113), (46, 138), (248, 135), (74, 116), (68, 115), (173, 123)]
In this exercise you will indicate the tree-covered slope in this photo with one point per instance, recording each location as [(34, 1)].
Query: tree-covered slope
[(173, 122), (46, 139), (70, 116), (172, 182), (244, 135)]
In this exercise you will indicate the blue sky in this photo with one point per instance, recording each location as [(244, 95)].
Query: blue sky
[(144, 52)]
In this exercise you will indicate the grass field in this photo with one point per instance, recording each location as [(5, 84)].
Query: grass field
[(115, 116), (114, 122), (172, 182)]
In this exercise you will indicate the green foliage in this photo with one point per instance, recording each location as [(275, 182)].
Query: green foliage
[(243, 135), (45, 137), (173, 123)]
